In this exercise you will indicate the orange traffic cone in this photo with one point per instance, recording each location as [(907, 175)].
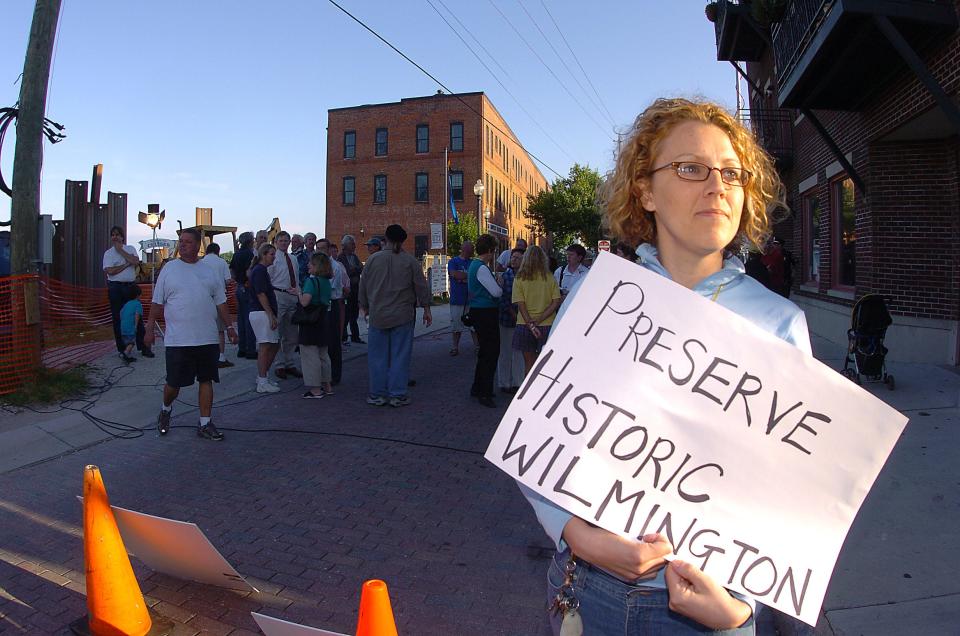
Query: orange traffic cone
[(114, 600), (376, 615)]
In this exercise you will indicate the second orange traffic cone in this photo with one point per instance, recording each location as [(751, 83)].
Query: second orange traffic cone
[(376, 615)]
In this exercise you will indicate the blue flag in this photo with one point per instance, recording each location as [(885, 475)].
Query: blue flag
[(453, 207)]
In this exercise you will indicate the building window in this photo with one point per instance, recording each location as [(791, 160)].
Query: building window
[(349, 190), (421, 244), (456, 136), (811, 238), (421, 191), (349, 144), (844, 218), (381, 147), (380, 188), (423, 138), (456, 185)]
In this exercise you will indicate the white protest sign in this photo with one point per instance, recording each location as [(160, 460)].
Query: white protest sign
[(176, 548), (278, 627), (653, 409)]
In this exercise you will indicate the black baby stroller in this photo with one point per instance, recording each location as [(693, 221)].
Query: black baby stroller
[(866, 354)]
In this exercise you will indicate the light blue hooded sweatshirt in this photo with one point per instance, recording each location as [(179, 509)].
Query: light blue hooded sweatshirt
[(740, 294)]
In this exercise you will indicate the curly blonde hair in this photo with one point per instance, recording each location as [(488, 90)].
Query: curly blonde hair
[(624, 214)]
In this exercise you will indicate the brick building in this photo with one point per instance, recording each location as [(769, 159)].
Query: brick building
[(385, 164), (857, 102)]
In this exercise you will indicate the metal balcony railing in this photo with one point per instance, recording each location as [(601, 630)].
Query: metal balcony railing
[(794, 32), (773, 128), (803, 18)]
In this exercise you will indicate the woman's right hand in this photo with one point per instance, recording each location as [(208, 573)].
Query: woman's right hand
[(273, 322), (628, 559)]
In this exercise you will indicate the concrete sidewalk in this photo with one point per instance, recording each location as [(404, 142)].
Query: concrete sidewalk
[(307, 544)]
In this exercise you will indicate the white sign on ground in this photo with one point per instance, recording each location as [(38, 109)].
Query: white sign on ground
[(176, 548), (653, 409), (277, 627)]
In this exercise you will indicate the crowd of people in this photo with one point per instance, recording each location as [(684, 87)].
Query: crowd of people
[(507, 303)]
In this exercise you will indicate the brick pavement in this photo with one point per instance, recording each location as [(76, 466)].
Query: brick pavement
[(399, 494)]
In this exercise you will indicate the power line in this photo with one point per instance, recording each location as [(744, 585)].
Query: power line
[(475, 39), (494, 75), (564, 63), (443, 86), (577, 60), (547, 66)]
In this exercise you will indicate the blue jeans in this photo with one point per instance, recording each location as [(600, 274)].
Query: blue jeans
[(609, 606), (247, 342), (388, 359)]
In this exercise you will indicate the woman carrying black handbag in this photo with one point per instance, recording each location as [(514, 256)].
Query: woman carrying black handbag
[(311, 316)]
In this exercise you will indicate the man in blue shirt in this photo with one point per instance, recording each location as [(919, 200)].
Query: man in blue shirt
[(457, 271)]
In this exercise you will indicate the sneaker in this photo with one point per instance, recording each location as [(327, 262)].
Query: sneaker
[(147, 353), (209, 431), (345, 344), (127, 359), (403, 400), (294, 372), (224, 364), (267, 387), (310, 395), (376, 400), (163, 421)]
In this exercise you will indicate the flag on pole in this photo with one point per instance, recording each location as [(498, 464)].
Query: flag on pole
[(453, 206)]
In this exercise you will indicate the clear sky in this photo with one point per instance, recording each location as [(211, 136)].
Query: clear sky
[(224, 104)]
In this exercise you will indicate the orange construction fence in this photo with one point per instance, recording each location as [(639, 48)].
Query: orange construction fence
[(46, 322)]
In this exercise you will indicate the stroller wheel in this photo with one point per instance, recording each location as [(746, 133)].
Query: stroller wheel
[(851, 375), (888, 380)]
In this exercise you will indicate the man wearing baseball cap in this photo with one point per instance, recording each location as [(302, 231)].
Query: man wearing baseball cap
[(374, 245)]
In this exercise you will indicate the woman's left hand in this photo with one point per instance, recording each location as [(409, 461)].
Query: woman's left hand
[(697, 596)]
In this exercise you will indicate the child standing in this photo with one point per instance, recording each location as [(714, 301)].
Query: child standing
[(131, 314)]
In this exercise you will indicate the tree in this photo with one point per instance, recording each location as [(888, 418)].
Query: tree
[(568, 211), (457, 233)]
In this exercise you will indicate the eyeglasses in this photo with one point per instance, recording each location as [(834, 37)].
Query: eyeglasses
[(693, 171)]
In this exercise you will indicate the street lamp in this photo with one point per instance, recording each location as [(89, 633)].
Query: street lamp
[(153, 218), (478, 191)]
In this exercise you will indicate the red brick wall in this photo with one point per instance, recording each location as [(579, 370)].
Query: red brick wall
[(402, 162), (400, 165), (908, 224)]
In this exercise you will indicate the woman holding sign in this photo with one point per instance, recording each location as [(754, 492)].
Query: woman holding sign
[(691, 186)]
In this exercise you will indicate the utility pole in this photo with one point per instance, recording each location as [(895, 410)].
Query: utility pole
[(28, 154)]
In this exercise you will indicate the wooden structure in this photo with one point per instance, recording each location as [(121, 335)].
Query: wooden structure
[(86, 230)]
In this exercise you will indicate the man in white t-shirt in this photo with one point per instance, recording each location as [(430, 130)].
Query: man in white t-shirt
[(286, 283), (570, 274), (120, 266), (503, 261), (222, 271), (189, 297)]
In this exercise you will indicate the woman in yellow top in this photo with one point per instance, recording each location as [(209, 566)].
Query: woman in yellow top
[(537, 297)]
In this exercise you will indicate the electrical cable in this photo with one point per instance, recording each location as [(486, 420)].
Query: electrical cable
[(444, 87), (564, 63), (577, 60), (547, 66), (494, 75), (375, 438), (119, 430)]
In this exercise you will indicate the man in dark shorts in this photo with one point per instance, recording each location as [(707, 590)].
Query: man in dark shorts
[(189, 298)]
